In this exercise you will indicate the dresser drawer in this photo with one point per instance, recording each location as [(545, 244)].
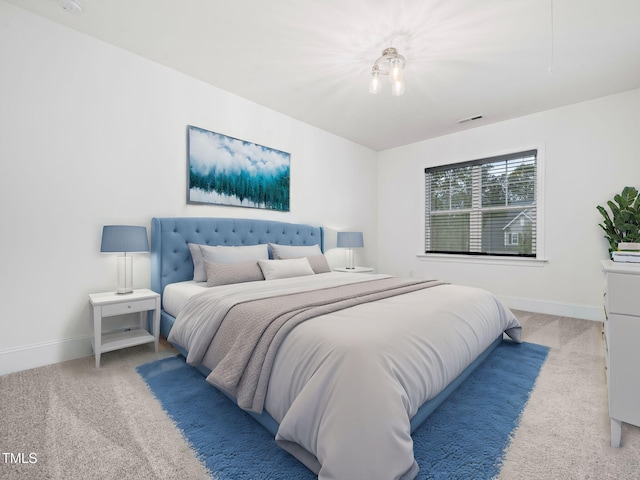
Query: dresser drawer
[(128, 307), (623, 294)]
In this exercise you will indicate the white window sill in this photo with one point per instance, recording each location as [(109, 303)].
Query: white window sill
[(483, 259)]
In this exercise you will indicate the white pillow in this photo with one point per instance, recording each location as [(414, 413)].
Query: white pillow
[(291, 267), (294, 251), (223, 254)]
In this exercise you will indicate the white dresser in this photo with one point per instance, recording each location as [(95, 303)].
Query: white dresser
[(622, 344)]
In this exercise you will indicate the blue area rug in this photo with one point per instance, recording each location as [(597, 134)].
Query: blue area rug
[(463, 439)]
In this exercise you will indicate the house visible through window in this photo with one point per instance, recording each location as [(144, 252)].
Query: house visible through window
[(483, 207)]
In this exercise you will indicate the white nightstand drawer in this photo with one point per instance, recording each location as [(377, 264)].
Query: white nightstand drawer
[(128, 307), (622, 294)]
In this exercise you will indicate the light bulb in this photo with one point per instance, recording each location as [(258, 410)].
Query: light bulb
[(397, 88), (395, 73), (374, 85)]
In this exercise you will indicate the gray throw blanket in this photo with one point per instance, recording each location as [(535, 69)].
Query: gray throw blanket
[(244, 344)]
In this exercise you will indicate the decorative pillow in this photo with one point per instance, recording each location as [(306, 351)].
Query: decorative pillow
[(234, 254), (291, 267), (226, 273), (319, 263), (313, 253), (199, 275), (223, 254), (293, 251)]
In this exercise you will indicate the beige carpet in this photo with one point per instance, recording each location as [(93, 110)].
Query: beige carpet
[(564, 432), (87, 423)]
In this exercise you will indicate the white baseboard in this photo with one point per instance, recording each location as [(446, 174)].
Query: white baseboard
[(40, 354), (585, 312)]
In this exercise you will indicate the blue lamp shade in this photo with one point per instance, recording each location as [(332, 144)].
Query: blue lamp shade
[(350, 240), (124, 239)]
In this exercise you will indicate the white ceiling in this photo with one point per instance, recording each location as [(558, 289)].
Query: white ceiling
[(311, 59)]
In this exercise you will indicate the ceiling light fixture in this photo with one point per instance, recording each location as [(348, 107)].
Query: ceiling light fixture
[(391, 63)]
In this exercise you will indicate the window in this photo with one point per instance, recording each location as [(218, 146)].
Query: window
[(483, 207), (511, 238)]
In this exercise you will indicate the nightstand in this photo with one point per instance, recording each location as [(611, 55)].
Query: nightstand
[(109, 304), (354, 270)]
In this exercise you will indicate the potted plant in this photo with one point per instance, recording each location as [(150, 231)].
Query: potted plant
[(624, 223)]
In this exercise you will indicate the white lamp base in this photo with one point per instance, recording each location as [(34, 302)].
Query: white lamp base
[(349, 255), (125, 274)]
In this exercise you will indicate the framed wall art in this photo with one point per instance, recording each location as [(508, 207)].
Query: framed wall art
[(227, 171)]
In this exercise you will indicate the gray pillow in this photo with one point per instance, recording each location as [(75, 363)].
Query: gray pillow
[(227, 273), (293, 251), (319, 263), (313, 253), (223, 254), (234, 254), (199, 275)]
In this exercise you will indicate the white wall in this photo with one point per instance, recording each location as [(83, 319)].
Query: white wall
[(93, 135), (590, 152)]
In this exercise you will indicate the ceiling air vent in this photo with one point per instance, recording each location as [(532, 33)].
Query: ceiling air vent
[(470, 119), (71, 6)]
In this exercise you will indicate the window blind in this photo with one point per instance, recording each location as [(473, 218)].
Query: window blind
[(483, 207)]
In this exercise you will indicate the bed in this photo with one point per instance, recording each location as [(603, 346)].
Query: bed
[(340, 368)]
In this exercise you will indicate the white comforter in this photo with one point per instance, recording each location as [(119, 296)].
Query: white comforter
[(345, 385)]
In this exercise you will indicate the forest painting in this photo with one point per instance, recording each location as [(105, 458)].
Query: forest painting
[(227, 171)]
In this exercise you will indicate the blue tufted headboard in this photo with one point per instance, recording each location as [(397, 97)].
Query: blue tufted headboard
[(170, 257)]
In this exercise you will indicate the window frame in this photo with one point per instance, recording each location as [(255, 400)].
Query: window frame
[(487, 258)]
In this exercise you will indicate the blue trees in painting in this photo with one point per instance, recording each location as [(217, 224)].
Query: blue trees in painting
[(225, 170)]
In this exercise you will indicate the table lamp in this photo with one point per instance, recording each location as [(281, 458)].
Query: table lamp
[(350, 240), (124, 239)]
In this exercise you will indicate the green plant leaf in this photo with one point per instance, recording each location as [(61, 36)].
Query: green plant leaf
[(616, 237), (629, 194), (625, 216), (615, 210), (604, 213), (621, 201), (626, 227)]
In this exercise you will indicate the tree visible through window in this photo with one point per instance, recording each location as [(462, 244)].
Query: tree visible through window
[(483, 207)]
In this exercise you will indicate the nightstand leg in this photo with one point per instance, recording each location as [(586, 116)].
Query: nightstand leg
[(156, 324), (97, 333)]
